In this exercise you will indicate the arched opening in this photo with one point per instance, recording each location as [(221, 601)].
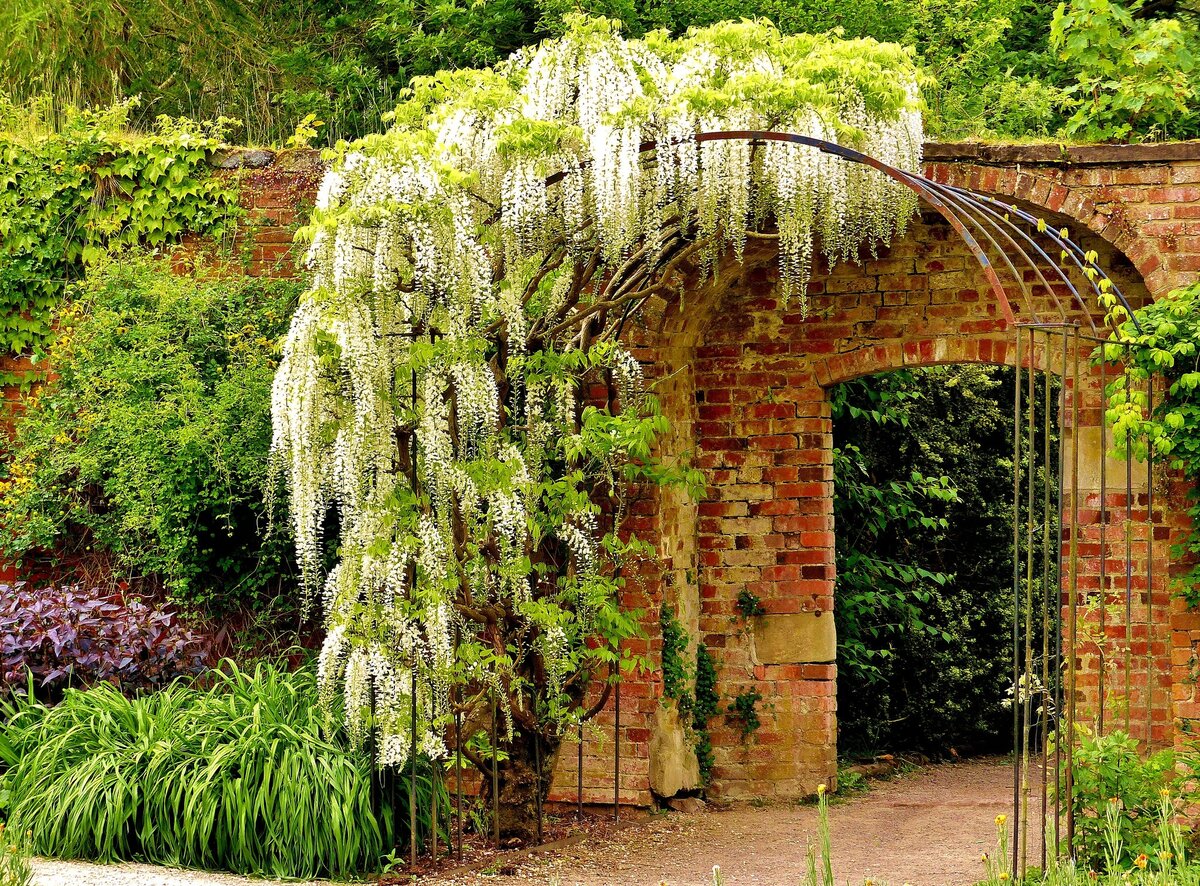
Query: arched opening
[(923, 520)]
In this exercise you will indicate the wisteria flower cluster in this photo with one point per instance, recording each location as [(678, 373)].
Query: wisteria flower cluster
[(472, 271)]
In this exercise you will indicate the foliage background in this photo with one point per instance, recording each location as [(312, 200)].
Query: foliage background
[(924, 592), (1112, 69)]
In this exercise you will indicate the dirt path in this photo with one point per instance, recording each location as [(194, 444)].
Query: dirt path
[(927, 828)]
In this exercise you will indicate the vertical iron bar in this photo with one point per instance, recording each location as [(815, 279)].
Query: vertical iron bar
[(1016, 611), (1151, 670), (412, 756), (1128, 557), (1103, 542), (537, 765), (434, 780), (1027, 665), (579, 771), (458, 758), (376, 787), (495, 777), (1073, 640), (1059, 695), (412, 583), (458, 767), (617, 742), (1044, 714)]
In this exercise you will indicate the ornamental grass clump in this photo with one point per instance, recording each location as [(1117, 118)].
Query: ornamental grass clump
[(247, 775), (474, 269)]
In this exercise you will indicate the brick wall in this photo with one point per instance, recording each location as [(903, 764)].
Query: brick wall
[(745, 381)]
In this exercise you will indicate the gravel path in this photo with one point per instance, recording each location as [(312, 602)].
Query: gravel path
[(926, 829)]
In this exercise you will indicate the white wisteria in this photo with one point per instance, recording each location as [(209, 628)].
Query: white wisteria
[(431, 400)]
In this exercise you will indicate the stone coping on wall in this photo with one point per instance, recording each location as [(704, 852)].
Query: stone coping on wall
[(1046, 154), (1060, 154)]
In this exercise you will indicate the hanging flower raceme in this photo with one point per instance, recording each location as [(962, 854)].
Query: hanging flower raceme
[(471, 269)]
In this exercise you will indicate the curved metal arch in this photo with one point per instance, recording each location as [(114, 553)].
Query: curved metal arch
[(976, 218)]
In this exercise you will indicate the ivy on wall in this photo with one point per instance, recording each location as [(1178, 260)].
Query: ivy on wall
[(1164, 344), (73, 192), (699, 704)]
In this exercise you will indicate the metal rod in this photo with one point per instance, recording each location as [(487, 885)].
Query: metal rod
[(1016, 611), (537, 766), (1044, 713), (1027, 666), (458, 757), (433, 794), (1151, 670), (579, 772), (413, 837), (376, 787), (1103, 543), (1128, 558), (1073, 639), (412, 584), (617, 740), (1058, 603), (495, 777)]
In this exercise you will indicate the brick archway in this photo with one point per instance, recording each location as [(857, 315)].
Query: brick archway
[(747, 387), (743, 379)]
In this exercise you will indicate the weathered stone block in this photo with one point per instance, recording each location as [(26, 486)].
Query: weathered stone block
[(795, 638), (673, 764)]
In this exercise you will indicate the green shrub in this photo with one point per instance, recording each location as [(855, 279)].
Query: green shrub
[(923, 507), (248, 776), (69, 193), (1132, 77), (1109, 769), (151, 442)]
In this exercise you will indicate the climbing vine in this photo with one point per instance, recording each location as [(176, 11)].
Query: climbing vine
[(1162, 342), (743, 712), (70, 193), (454, 386), (674, 659), (704, 709)]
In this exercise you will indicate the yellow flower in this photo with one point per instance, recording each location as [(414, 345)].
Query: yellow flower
[(1141, 861), (1004, 876), (820, 790), (1000, 820)]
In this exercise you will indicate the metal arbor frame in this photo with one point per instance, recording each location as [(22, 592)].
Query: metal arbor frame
[(1014, 250)]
